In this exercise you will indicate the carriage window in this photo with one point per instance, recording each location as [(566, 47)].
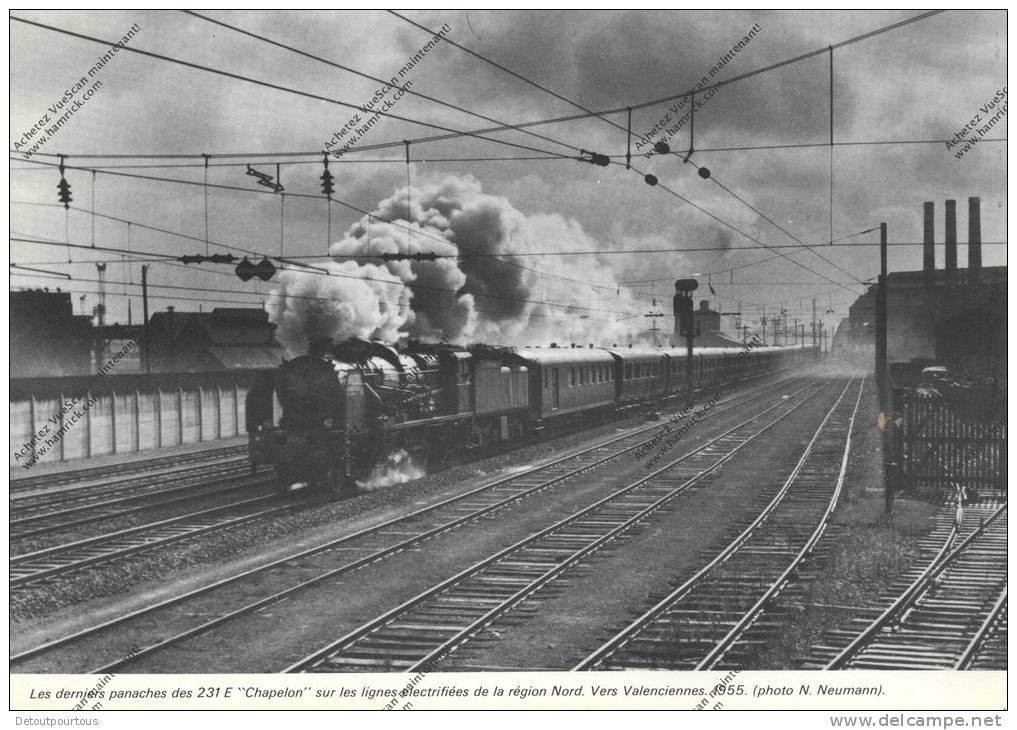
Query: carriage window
[(546, 373), (572, 376)]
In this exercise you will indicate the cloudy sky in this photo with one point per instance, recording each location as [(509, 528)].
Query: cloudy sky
[(922, 82)]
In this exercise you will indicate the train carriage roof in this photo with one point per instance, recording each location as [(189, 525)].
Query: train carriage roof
[(565, 356), (680, 352), (637, 354)]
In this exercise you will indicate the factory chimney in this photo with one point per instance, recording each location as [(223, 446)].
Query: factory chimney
[(929, 248), (975, 236), (951, 235)]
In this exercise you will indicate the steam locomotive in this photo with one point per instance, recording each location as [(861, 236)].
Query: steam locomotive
[(344, 407)]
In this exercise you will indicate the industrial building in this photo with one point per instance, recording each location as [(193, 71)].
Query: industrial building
[(955, 316)]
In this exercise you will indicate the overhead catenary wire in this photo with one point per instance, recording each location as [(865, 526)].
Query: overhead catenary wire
[(673, 97), (356, 72), (575, 117), (746, 247), (397, 223), (291, 156), (544, 253), (338, 256), (179, 287), (135, 49), (364, 212), (737, 230), (393, 282), (286, 89), (691, 94)]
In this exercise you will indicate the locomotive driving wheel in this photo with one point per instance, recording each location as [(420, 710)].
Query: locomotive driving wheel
[(334, 482), (282, 484)]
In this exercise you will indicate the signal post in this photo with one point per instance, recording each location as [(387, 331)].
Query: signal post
[(685, 325)]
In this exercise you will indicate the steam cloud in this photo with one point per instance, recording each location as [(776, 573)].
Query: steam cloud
[(481, 297), (396, 468)]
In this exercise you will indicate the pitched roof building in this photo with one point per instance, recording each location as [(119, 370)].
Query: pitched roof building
[(223, 339)]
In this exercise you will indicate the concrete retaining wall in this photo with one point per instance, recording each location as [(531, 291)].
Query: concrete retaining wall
[(81, 416)]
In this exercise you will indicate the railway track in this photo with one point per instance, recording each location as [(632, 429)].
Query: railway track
[(100, 488), (51, 510), (93, 473), (943, 619), (41, 518), (987, 650), (369, 545), (932, 548), (427, 628), (60, 560), (695, 625)]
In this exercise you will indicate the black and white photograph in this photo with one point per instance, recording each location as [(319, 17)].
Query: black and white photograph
[(509, 359)]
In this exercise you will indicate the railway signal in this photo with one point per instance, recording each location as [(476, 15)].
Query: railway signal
[(685, 314)]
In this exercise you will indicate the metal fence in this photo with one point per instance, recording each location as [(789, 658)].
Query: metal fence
[(942, 448)]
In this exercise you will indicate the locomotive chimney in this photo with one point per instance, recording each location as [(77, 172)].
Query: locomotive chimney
[(929, 247), (975, 236), (951, 235)]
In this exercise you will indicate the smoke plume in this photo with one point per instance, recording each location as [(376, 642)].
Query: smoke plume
[(481, 296)]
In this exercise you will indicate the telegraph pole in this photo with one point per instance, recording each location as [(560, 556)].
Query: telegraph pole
[(882, 376), (144, 323), (813, 322)]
